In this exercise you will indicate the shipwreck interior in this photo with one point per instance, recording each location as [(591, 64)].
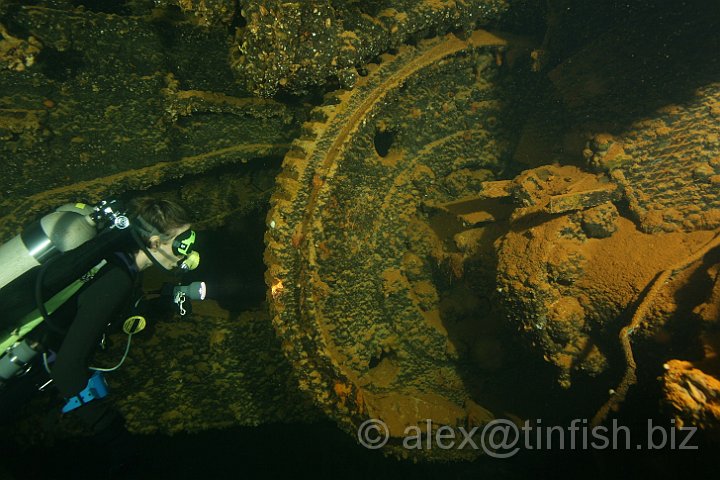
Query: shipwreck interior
[(464, 211)]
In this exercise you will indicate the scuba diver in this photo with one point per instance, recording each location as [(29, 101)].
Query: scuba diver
[(58, 322)]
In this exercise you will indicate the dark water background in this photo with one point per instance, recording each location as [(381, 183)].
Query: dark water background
[(320, 450)]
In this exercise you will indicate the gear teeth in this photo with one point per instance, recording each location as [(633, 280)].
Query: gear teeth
[(292, 167), (286, 186), (300, 248)]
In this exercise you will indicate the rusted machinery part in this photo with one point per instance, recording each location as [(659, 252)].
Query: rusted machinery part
[(669, 164), (17, 53), (691, 389), (382, 313), (89, 119), (295, 46), (565, 277), (692, 395), (93, 178), (641, 313), (140, 179), (216, 370), (206, 13)]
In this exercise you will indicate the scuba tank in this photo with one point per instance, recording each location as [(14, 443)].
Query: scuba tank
[(50, 257), (64, 229), (53, 252), (17, 358)]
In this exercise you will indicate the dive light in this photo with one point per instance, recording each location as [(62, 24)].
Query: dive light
[(193, 291)]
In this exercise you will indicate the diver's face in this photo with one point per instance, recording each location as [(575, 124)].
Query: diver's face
[(163, 251)]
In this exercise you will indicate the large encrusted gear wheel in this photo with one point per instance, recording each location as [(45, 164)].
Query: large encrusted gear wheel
[(364, 278)]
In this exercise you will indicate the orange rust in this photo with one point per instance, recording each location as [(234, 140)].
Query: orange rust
[(317, 181), (277, 288), (324, 161), (431, 56), (498, 58), (297, 238), (456, 264), (658, 283), (692, 394), (324, 250), (342, 390), (359, 401)]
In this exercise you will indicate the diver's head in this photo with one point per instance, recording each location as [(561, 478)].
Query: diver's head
[(161, 247), (163, 226)]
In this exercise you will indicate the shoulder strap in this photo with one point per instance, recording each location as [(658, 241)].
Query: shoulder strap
[(35, 318)]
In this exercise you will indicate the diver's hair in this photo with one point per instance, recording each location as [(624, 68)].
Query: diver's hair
[(157, 216)]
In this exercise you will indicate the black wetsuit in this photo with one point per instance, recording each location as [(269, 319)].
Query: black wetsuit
[(96, 305), (81, 321)]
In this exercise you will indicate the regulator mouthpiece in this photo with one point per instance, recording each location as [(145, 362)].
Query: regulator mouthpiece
[(190, 262)]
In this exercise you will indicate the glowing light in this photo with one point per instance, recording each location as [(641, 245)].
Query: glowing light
[(276, 288)]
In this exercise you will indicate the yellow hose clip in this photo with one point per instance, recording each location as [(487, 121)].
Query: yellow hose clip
[(134, 324)]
